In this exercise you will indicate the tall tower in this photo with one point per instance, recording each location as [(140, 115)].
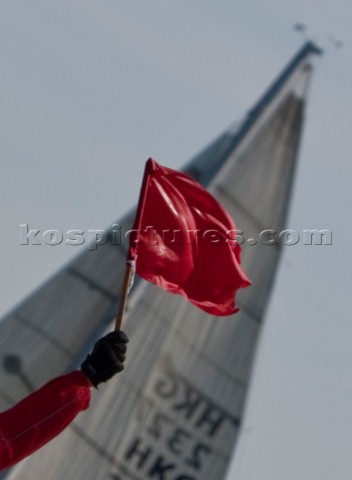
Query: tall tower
[(175, 414)]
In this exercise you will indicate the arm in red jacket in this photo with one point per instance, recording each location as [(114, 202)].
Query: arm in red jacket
[(45, 413), (41, 416)]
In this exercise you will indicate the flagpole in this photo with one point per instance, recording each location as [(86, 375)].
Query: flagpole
[(131, 256), (129, 270)]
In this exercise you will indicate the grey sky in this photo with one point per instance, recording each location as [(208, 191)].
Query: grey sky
[(90, 90)]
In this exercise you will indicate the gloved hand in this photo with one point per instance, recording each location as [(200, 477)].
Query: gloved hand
[(106, 359)]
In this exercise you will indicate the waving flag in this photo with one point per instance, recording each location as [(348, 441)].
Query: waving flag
[(184, 241)]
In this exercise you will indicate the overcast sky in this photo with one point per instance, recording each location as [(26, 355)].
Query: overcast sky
[(91, 89)]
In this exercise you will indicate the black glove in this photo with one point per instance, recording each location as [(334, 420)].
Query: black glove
[(106, 359)]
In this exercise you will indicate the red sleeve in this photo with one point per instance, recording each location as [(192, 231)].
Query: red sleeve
[(41, 416)]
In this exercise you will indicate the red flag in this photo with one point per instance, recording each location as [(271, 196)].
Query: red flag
[(184, 241)]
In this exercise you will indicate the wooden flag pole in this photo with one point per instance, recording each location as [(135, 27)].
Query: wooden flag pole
[(129, 270), (130, 263)]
